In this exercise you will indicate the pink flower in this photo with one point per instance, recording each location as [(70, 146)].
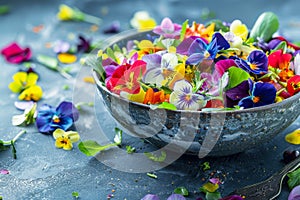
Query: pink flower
[(168, 29), (13, 53)]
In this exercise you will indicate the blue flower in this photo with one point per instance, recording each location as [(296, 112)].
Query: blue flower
[(260, 94), (257, 62), (199, 50), (63, 117)]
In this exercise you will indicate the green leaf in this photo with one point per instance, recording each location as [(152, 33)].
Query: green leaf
[(205, 166), (282, 45), (181, 190), (118, 136), (265, 26), (110, 53), (116, 48), (166, 105), (13, 150), (183, 29), (152, 175), (213, 196), (294, 178), (91, 147), (130, 149), (3, 147), (236, 76), (75, 194), (4, 9), (218, 25), (155, 158), (50, 62)]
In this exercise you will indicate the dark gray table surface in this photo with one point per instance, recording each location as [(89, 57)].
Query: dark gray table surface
[(43, 172)]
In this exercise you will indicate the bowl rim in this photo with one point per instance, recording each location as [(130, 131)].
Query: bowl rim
[(123, 35)]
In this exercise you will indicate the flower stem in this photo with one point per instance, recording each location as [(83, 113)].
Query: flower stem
[(8, 143), (92, 19)]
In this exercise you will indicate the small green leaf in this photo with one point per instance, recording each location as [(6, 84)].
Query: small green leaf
[(294, 178), (265, 26), (4, 9), (205, 166), (116, 48), (110, 53), (130, 149), (152, 175), (48, 61), (236, 76), (75, 194), (213, 196), (218, 25), (91, 147), (155, 158), (183, 29), (181, 190), (166, 105), (118, 136), (282, 45), (3, 147)]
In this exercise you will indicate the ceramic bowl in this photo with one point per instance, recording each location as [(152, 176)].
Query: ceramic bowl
[(198, 132)]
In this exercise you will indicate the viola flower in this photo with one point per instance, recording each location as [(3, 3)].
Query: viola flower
[(65, 139), (13, 53), (167, 29), (142, 20), (61, 46), (200, 30), (114, 27), (295, 193), (126, 78), (237, 44), (25, 84), (183, 97), (239, 29), (293, 85), (67, 13), (176, 197), (260, 94), (199, 50), (150, 197), (211, 85), (84, 44), (234, 95), (28, 117), (295, 65), (63, 117), (257, 62), (163, 70)]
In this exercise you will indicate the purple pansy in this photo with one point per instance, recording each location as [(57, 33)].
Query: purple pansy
[(61, 46), (63, 117), (233, 197), (295, 193), (234, 95), (168, 29), (260, 94), (84, 44), (150, 197), (113, 28), (200, 51), (256, 63), (176, 197)]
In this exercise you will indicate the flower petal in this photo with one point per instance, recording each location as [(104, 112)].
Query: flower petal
[(246, 102), (58, 133), (293, 137), (67, 109), (72, 135), (150, 197), (176, 197), (295, 193), (66, 58)]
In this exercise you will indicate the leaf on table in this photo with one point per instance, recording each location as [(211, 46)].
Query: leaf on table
[(155, 158), (91, 147), (181, 190), (3, 147), (294, 178)]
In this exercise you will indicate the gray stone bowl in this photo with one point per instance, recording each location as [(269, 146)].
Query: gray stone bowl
[(199, 133)]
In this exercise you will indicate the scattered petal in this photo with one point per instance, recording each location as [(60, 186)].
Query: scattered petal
[(66, 58), (4, 171), (293, 137), (13, 53)]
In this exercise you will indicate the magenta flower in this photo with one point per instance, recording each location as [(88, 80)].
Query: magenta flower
[(13, 53), (222, 65), (168, 29), (49, 119)]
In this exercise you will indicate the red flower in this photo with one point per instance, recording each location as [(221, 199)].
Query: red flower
[(13, 53), (293, 85), (126, 78), (280, 60)]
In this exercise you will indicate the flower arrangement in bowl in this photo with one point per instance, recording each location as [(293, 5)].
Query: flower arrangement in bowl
[(217, 88)]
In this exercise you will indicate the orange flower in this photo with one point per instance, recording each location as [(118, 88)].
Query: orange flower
[(201, 31), (152, 97)]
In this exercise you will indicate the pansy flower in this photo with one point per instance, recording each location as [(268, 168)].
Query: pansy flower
[(27, 117), (114, 27), (239, 29), (200, 50), (260, 94), (13, 53), (163, 70), (84, 45), (293, 85), (200, 30), (63, 117), (168, 29), (61, 46), (126, 78), (64, 139), (256, 63), (25, 84), (234, 95), (295, 65), (183, 97), (142, 20)]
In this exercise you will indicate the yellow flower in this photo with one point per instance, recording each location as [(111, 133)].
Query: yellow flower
[(293, 137), (22, 80), (65, 139), (65, 13), (142, 20), (239, 29), (66, 58), (34, 93), (139, 97)]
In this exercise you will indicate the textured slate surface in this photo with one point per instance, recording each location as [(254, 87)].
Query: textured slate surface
[(44, 172)]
